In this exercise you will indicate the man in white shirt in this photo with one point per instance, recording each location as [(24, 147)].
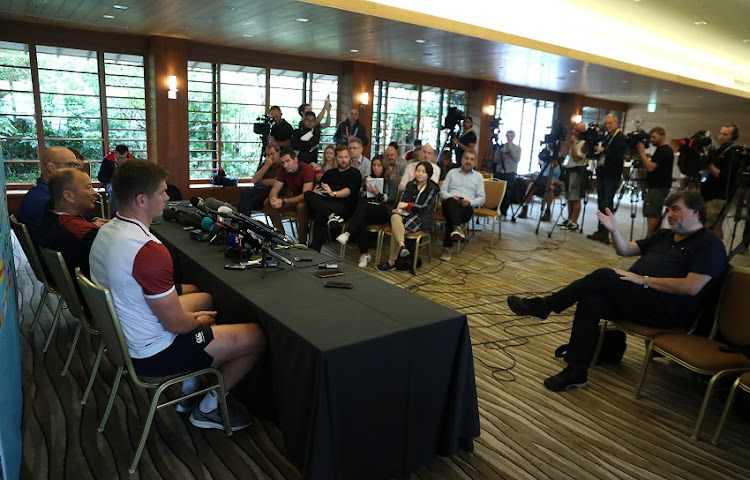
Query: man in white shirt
[(428, 155)]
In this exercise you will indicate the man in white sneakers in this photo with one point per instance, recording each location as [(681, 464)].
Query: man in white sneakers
[(166, 334)]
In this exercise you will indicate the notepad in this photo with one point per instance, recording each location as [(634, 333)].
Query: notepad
[(378, 182)]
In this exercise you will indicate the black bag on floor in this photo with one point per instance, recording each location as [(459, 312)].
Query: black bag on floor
[(613, 348)]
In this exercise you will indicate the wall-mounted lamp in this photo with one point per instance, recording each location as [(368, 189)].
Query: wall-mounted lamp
[(364, 100), (172, 83), (491, 110), (576, 119)]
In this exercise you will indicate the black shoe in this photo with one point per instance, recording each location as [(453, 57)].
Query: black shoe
[(386, 267), (599, 236), (569, 378), (529, 307), (546, 216), (523, 213)]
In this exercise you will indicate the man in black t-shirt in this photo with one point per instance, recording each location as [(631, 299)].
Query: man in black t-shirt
[(468, 140), (335, 198), (664, 289), (658, 177), (281, 131)]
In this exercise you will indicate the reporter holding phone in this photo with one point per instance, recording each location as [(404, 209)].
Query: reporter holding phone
[(413, 213)]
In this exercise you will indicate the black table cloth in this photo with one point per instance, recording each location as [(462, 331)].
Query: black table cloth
[(371, 382)]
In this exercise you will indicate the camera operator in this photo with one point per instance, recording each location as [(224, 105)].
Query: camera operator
[(608, 171), (658, 176), (281, 131), (575, 164), (506, 161), (466, 141), (720, 178)]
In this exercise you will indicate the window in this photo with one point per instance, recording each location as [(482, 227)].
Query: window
[(531, 119), (224, 103), (594, 115), (74, 111), (405, 112)]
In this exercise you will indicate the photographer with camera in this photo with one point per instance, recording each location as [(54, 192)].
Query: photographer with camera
[(575, 184), (608, 171), (281, 131), (506, 161), (466, 141), (351, 128), (720, 178), (658, 176)]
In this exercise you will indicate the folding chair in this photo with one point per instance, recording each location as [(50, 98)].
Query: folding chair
[(102, 308)]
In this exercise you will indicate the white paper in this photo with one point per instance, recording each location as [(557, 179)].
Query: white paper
[(378, 182)]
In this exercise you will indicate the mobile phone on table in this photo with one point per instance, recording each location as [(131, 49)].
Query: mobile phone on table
[(331, 284), (332, 273)]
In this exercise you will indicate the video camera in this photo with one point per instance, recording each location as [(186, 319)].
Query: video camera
[(452, 118), (638, 136), (592, 136), (555, 138), (694, 153), (262, 125)]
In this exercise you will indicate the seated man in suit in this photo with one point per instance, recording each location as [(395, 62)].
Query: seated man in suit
[(461, 193), (166, 334)]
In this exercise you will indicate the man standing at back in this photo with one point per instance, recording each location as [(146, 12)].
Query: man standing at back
[(34, 203), (658, 177), (351, 128), (608, 172), (166, 334)]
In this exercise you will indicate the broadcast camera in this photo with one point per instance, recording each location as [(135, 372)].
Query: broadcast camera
[(694, 153), (452, 118), (555, 138), (638, 136), (262, 125), (592, 136)]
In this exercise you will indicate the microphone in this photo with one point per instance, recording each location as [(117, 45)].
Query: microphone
[(233, 241), (208, 225)]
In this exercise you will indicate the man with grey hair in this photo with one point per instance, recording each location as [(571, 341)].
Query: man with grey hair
[(427, 155), (359, 161), (608, 171)]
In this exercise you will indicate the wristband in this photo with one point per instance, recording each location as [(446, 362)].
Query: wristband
[(645, 281)]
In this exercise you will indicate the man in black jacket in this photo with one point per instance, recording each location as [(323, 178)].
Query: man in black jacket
[(351, 127), (609, 171)]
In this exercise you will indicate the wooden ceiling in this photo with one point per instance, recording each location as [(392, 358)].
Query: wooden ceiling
[(331, 33)]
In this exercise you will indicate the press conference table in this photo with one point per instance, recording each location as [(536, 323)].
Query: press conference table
[(371, 382)]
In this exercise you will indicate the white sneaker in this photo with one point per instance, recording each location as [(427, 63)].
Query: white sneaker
[(446, 256), (502, 218), (364, 260), (458, 234), (343, 238)]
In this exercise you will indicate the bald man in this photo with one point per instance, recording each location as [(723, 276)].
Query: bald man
[(575, 185), (608, 171), (428, 155), (35, 202)]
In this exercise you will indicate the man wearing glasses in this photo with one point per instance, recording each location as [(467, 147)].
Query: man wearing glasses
[(35, 201)]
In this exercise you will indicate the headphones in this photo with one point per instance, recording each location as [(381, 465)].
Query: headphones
[(735, 131)]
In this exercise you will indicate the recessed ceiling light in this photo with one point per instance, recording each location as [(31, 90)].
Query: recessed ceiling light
[(626, 81), (228, 7), (354, 50), (303, 20), (664, 89), (573, 71), (481, 71), (120, 7), (420, 40), (248, 35), (700, 23), (107, 16)]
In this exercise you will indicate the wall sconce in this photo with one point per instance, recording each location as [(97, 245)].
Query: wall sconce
[(172, 83), (491, 110), (364, 100), (576, 119)]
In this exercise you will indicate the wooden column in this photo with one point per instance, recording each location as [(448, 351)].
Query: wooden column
[(481, 96), (356, 78), (168, 119)]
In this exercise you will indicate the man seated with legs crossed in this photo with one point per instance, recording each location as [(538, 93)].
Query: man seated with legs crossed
[(298, 178), (335, 198), (462, 191), (663, 289), (166, 334)]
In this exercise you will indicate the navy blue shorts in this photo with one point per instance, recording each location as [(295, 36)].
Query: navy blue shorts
[(186, 354)]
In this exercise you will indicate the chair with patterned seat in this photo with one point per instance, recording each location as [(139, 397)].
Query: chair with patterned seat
[(706, 355), (102, 308)]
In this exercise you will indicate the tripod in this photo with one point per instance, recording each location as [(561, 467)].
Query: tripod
[(635, 184), (539, 181), (582, 175)]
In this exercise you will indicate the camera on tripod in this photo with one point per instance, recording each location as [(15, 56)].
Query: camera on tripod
[(262, 125), (452, 118), (694, 153), (555, 138), (638, 136)]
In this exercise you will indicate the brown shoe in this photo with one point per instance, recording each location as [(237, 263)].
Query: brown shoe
[(598, 236)]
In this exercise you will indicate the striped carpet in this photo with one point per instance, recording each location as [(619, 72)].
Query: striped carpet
[(599, 432)]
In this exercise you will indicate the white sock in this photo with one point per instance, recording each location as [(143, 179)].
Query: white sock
[(189, 385), (210, 402)]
